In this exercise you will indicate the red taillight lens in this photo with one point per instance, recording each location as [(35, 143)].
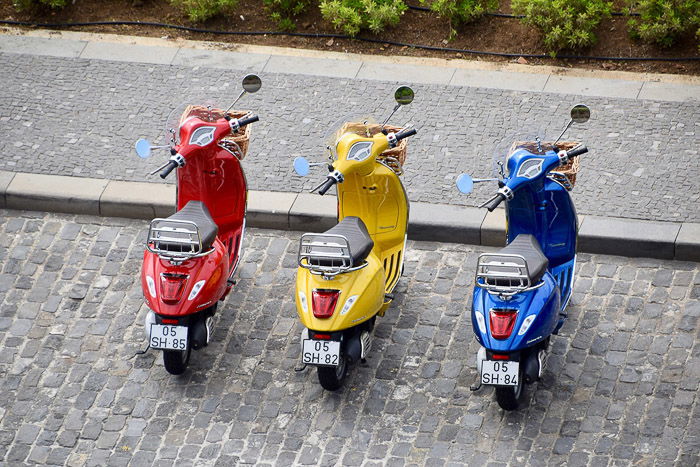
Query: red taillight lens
[(168, 321), (324, 302), (171, 287), (497, 356), (322, 336), (502, 322)]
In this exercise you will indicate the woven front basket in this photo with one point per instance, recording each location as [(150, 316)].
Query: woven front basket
[(241, 139), (569, 170), (394, 158)]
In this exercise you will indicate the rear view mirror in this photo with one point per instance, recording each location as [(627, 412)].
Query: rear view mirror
[(302, 166), (580, 113), (252, 83), (143, 148), (465, 183), (403, 95)]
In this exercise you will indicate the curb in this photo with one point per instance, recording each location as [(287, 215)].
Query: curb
[(305, 212), (266, 59)]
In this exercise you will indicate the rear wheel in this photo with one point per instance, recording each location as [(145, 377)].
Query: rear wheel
[(508, 397), (332, 377), (175, 361)]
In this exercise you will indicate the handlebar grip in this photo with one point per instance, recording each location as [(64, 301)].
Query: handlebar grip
[(577, 151), (494, 202), (327, 186), (405, 134), (246, 121), (168, 168)]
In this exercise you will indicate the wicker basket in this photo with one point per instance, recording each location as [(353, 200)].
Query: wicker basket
[(568, 170), (241, 139), (394, 158)]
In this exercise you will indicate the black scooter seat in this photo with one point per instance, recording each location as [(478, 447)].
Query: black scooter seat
[(197, 212), (527, 246), (357, 235)]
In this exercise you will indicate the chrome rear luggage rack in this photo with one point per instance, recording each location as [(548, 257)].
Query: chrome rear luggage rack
[(175, 240), (503, 274), (326, 254)]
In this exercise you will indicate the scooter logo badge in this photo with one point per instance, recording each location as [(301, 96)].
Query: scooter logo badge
[(530, 168), (203, 136)]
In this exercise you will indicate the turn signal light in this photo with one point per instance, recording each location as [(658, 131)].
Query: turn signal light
[(502, 323), (324, 302)]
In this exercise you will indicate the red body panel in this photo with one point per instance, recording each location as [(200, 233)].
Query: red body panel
[(215, 177)]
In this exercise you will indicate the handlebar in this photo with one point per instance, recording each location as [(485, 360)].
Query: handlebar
[(168, 168), (325, 186), (577, 151), (405, 134), (238, 123), (493, 202), (248, 120)]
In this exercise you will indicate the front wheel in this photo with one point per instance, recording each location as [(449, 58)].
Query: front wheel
[(332, 377), (175, 361), (508, 397)]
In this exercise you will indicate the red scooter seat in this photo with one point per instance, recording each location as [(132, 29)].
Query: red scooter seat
[(197, 212)]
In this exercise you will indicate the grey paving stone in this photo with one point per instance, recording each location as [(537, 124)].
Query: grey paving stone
[(305, 65), (133, 53), (220, 59), (41, 46)]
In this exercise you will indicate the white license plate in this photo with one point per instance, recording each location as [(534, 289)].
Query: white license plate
[(499, 373), (168, 337), (326, 353)]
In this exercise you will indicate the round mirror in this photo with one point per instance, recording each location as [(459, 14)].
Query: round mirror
[(252, 83), (301, 166), (465, 183), (403, 95), (143, 148), (580, 113)]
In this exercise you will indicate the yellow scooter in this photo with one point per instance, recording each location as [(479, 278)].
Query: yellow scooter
[(346, 275)]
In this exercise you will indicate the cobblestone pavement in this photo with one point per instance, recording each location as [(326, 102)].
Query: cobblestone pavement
[(621, 386), (81, 117)]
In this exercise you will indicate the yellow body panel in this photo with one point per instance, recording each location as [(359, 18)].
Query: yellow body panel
[(374, 193)]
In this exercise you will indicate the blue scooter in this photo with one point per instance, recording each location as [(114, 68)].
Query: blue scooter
[(522, 290)]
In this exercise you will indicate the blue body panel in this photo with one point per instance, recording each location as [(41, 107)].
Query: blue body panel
[(543, 208)]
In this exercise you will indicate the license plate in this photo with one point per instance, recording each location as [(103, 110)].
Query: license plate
[(499, 373), (168, 337), (326, 353)]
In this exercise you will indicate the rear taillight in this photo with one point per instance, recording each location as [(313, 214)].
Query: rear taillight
[(172, 286), (502, 322), (324, 302), (322, 336)]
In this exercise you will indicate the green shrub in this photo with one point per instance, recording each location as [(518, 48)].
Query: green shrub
[(202, 10), (461, 11), (352, 15), (663, 21), (29, 4), (282, 12), (565, 24)]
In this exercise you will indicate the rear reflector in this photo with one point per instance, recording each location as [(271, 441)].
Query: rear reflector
[(500, 357), (322, 336), (324, 302), (169, 321), (502, 322)]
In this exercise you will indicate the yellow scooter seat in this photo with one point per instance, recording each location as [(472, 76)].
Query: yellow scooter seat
[(359, 240)]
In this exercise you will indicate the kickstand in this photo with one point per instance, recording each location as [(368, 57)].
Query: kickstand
[(300, 367), (475, 387), (141, 352)]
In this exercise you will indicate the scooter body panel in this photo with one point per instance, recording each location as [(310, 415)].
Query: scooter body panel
[(366, 284), (171, 287), (543, 303)]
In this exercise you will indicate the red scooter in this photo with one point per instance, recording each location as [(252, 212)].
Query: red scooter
[(192, 256)]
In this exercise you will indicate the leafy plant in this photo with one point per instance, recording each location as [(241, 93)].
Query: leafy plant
[(461, 11), (28, 4), (282, 12), (565, 24), (202, 10), (663, 21), (352, 15)]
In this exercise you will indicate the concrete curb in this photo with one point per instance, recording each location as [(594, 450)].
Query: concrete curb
[(262, 59), (307, 212)]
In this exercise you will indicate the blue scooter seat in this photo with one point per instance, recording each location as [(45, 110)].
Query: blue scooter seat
[(528, 247)]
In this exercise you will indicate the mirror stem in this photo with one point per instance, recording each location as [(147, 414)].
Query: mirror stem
[(562, 133), (234, 102), (396, 107)]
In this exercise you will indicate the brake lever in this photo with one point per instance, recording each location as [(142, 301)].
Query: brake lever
[(159, 168), (319, 186)]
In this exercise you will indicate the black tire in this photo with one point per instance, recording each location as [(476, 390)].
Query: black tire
[(509, 397), (332, 377), (176, 361)]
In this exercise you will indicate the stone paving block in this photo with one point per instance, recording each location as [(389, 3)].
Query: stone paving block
[(405, 74), (312, 66), (499, 80), (55, 193), (5, 179), (129, 53), (593, 86), (445, 223), (628, 237), (220, 59), (688, 242), (41, 46), (670, 91), (269, 209), (312, 212), (137, 200)]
